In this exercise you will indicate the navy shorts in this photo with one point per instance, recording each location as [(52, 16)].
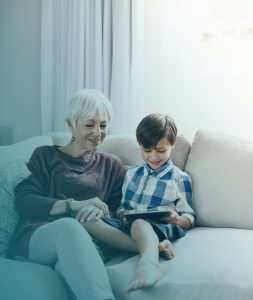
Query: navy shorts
[(164, 231)]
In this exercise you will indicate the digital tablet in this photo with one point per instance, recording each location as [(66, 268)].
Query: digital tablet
[(157, 215)]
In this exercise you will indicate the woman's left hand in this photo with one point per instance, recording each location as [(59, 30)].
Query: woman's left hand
[(89, 213), (174, 218)]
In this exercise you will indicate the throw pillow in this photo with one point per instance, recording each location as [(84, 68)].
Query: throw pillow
[(220, 167), (11, 173)]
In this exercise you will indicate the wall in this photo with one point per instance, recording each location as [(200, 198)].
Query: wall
[(204, 83), (19, 70)]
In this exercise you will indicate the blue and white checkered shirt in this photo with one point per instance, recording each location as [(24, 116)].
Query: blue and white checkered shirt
[(145, 188)]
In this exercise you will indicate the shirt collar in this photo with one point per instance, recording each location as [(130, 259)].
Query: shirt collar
[(158, 172)]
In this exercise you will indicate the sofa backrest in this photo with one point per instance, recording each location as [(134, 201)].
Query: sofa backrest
[(221, 169), (127, 148), (124, 146)]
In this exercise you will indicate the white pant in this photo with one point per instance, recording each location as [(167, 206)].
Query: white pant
[(65, 244)]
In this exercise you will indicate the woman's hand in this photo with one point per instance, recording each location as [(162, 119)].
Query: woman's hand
[(91, 210), (76, 206), (89, 213), (100, 204)]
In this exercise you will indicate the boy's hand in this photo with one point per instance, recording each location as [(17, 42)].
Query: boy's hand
[(178, 220), (174, 218), (122, 217)]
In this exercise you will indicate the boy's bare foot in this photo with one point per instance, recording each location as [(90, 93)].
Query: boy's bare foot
[(165, 247), (146, 275)]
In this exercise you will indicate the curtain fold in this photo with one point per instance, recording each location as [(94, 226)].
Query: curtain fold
[(87, 44)]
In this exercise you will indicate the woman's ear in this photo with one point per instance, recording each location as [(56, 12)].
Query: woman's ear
[(69, 124)]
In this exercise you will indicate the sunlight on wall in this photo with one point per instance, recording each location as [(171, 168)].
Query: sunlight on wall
[(202, 83), (229, 17)]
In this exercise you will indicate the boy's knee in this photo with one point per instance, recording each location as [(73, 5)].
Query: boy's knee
[(139, 223)]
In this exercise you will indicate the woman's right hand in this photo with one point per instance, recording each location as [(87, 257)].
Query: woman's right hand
[(80, 205), (100, 204), (59, 207), (89, 213)]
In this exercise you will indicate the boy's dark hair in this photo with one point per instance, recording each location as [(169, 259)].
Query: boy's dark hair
[(153, 128)]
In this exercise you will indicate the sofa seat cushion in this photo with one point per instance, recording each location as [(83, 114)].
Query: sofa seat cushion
[(24, 280), (210, 263)]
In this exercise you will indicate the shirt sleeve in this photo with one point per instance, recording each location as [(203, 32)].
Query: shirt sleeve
[(184, 198), (30, 196)]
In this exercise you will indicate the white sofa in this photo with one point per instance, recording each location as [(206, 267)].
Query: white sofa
[(213, 261)]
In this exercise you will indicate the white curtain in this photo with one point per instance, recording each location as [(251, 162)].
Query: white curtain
[(90, 44)]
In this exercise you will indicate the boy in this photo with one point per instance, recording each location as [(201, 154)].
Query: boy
[(157, 184)]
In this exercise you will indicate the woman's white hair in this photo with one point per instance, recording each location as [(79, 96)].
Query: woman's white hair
[(86, 104)]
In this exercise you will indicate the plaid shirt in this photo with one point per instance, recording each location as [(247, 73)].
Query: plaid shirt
[(145, 188)]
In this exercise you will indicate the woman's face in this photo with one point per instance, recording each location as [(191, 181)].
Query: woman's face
[(90, 133)]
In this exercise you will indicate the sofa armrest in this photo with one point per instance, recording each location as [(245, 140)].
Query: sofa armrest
[(23, 150), (24, 280)]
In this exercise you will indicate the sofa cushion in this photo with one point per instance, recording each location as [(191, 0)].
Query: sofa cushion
[(60, 138), (210, 263), (180, 152), (128, 150), (11, 173), (221, 168), (123, 146)]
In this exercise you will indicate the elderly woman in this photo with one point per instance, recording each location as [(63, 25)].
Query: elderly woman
[(68, 186)]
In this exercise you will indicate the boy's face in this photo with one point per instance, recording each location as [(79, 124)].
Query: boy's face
[(158, 156)]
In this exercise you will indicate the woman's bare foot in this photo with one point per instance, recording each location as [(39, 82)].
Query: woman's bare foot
[(146, 275), (165, 247)]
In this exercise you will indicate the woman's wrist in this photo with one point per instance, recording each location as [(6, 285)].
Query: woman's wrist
[(75, 205), (69, 206), (62, 207)]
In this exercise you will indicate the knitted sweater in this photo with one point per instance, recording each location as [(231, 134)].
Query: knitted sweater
[(57, 176)]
